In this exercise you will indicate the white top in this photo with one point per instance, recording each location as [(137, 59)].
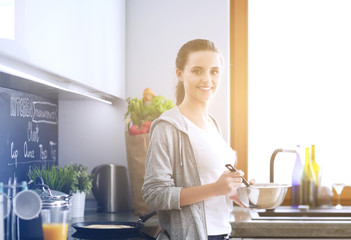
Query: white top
[(212, 152)]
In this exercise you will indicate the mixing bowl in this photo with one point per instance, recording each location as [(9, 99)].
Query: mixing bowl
[(263, 195)]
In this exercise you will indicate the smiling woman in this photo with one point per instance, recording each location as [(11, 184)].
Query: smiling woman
[(185, 174)]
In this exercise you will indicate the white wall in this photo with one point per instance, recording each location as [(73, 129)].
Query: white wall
[(156, 29), (91, 132)]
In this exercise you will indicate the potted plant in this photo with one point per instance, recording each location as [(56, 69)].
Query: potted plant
[(71, 179), (82, 184)]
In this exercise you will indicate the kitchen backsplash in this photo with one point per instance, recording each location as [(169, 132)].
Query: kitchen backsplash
[(28, 132)]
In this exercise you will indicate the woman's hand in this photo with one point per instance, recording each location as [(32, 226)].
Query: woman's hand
[(228, 182), (234, 195)]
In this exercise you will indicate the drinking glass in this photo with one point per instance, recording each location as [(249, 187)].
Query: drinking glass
[(338, 187), (2, 231), (54, 223)]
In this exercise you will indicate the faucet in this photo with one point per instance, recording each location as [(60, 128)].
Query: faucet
[(274, 154)]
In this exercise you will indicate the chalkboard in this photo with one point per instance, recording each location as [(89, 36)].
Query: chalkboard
[(28, 133)]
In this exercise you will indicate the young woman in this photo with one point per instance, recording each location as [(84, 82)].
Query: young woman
[(186, 180)]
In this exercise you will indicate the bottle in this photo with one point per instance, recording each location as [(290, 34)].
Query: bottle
[(307, 183), (315, 168), (296, 178), (315, 165)]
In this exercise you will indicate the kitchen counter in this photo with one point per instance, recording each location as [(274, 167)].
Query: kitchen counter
[(149, 231), (246, 227)]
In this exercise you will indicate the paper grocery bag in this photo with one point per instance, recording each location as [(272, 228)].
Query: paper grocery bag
[(136, 146)]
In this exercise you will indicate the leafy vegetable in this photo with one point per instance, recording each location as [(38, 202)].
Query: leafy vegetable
[(140, 112)]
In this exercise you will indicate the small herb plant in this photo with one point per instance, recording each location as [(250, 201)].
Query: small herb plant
[(68, 179), (82, 181)]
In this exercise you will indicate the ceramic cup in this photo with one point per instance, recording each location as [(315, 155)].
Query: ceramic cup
[(27, 205), (55, 223)]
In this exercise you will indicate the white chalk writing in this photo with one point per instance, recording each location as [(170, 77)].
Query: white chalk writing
[(27, 153), (45, 112), (14, 154), (21, 107), (43, 152), (32, 135), (53, 150), (32, 138)]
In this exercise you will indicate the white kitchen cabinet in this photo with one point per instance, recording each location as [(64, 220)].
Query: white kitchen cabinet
[(82, 41)]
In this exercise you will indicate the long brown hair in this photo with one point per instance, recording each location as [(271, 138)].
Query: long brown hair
[(184, 52)]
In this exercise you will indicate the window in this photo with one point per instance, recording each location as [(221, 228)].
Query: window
[(290, 76), (299, 58)]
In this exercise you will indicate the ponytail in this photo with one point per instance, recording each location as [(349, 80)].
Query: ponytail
[(180, 93)]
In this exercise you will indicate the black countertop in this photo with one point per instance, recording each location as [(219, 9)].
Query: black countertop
[(148, 231)]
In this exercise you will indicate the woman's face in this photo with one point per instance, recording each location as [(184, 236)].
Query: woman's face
[(201, 75)]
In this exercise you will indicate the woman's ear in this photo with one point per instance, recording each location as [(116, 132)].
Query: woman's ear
[(179, 74)]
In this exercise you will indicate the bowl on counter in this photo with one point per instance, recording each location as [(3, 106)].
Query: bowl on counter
[(263, 195)]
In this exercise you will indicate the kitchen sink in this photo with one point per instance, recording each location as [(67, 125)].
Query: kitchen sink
[(329, 213), (301, 213)]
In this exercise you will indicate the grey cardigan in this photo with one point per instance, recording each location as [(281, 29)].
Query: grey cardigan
[(170, 166)]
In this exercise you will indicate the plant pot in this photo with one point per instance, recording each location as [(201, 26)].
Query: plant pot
[(77, 205)]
